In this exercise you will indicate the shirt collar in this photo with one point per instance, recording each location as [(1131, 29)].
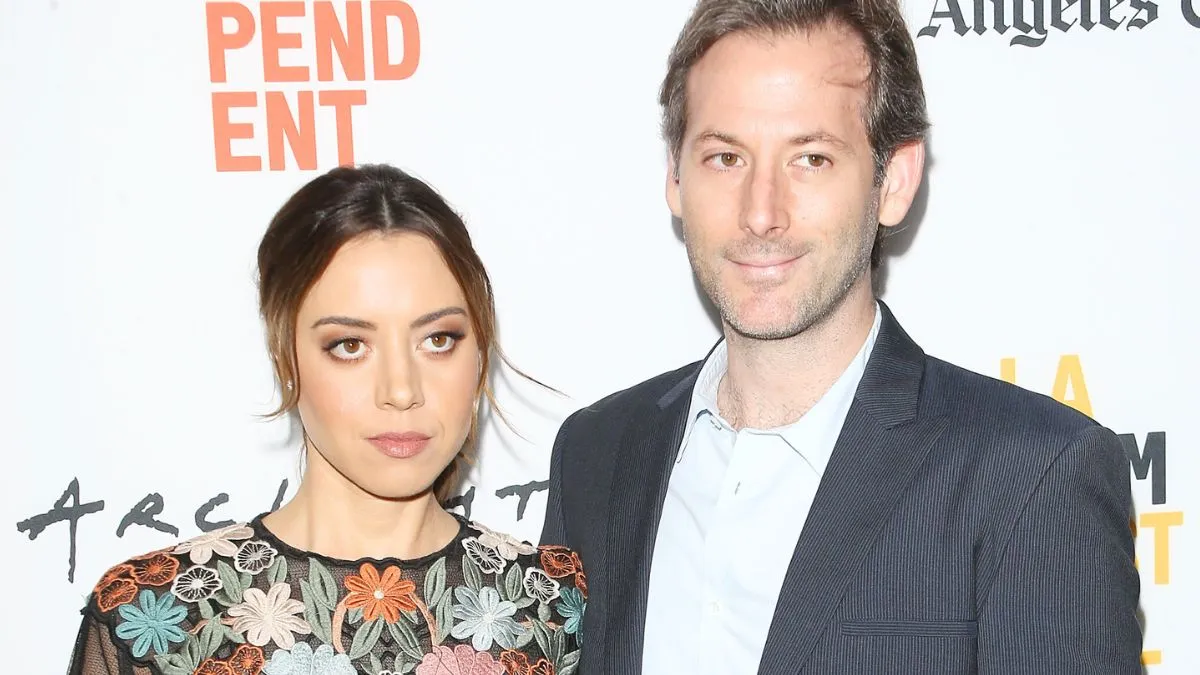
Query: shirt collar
[(840, 395)]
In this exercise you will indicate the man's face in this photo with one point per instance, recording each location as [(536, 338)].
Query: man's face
[(775, 178)]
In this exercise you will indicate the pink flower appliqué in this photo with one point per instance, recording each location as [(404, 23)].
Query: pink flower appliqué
[(461, 661)]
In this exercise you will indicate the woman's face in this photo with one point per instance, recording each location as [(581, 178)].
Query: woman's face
[(388, 367)]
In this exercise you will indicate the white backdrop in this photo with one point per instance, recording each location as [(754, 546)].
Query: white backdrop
[(1049, 246)]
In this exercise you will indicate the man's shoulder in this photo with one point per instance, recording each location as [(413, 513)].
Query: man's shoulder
[(641, 396), (997, 433), (970, 397)]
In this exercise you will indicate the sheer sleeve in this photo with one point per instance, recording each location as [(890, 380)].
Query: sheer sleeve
[(95, 653)]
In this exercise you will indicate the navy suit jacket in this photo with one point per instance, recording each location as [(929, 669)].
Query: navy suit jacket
[(962, 525)]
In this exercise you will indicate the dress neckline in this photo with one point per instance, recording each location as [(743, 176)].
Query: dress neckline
[(289, 551)]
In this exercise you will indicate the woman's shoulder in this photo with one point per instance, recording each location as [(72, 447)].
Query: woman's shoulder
[(545, 575), (188, 569), (491, 549), (164, 606), (535, 597)]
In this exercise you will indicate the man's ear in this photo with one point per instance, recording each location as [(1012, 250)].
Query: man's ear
[(672, 187), (900, 183)]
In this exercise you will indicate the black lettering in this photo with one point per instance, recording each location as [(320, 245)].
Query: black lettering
[(202, 521), (1154, 456), (523, 492), (1106, 7), (1189, 12), (980, 23), (1085, 15), (1145, 13), (1038, 28), (1000, 25), (1057, 7), (463, 500), (143, 514), (952, 12), (73, 513), (279, 496)]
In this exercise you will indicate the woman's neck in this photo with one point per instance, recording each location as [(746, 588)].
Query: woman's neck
[(333, 517)]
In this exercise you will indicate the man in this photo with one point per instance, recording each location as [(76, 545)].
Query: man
[(817, 495)]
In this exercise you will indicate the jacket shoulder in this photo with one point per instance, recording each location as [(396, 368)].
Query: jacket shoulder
[(650, 392), (970, 395)]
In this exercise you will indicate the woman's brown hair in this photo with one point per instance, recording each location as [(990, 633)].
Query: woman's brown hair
[(342, 205)]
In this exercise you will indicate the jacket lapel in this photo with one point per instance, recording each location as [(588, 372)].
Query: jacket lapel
[(644, 461), (881, 446)]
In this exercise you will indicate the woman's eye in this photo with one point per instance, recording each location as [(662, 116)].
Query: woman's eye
[(350, 349), (441, 342)]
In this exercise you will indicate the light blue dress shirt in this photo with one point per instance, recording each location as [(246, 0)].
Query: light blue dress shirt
[(735, 505)]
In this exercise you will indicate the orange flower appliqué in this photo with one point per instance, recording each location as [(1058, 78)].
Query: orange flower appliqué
[(580, 577), (115, 593), (558, 561), (122, 571), (581, 583), (213, 667), (247, 660), (377, 596), (157, 570), (517, 663)]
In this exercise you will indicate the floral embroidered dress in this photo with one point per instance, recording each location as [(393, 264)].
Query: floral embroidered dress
[(238, 601)]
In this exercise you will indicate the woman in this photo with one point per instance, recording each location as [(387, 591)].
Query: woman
[(381, 326)]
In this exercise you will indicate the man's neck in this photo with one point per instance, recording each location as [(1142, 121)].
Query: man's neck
[(773, 383)]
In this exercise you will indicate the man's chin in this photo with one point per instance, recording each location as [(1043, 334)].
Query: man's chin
[(775, 318), (764, 328)]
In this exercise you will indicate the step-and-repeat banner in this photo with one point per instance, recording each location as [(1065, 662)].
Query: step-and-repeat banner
[(146, 144)]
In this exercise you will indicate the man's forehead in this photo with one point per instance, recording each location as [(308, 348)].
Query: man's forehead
[(791, 81), (831, 53)]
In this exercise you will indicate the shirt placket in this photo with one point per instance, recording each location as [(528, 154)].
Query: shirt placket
[(720, 546)]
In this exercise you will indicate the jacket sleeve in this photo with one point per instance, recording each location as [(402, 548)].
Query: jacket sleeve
[(554, 532), (1064, 598)]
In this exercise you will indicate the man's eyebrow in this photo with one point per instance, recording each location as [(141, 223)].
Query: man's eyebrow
[(800, 139)]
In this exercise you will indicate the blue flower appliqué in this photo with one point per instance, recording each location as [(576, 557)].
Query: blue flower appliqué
[(302, 660), (153, 624), (571, 607), (484, 618)]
